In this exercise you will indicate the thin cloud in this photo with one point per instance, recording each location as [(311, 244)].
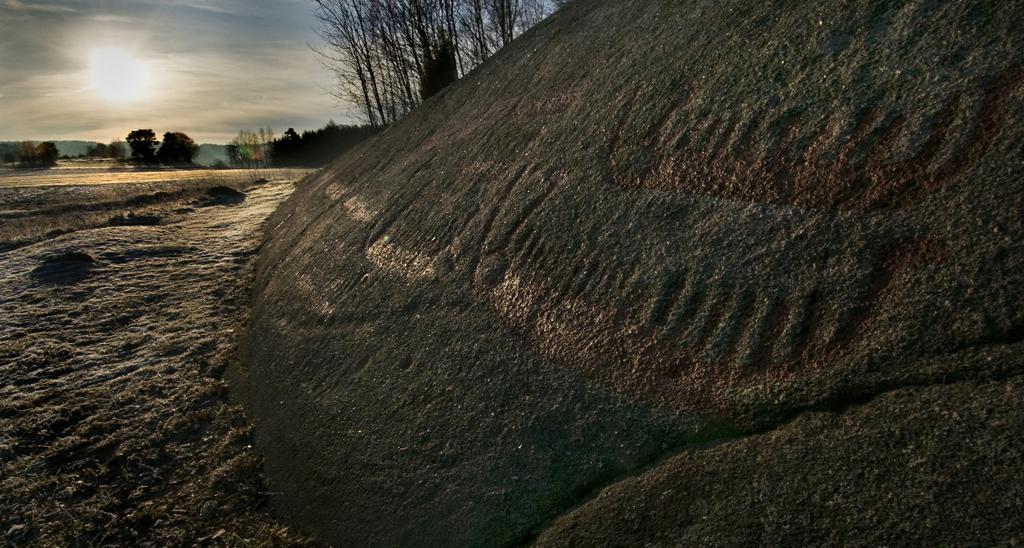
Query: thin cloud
[(19, 5), (215, 7), (217, 65)]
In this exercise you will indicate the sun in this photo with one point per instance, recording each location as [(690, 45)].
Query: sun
[(117, 76)]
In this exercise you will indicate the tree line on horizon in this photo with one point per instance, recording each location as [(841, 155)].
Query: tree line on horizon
[(30, 154), (116, 150), (389, 55), (177, 148), (46, 153), (250, 149), (254, 149), (313, 148)]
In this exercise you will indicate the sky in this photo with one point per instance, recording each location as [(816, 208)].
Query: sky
[(205, 67)]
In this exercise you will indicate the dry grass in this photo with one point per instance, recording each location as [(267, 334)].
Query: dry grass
[(115, 425)]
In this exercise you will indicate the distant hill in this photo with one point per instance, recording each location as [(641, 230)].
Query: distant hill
[(208, 154), (66, 148), (211, 154), (74, 148)]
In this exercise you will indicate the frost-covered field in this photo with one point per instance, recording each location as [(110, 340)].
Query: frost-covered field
[(91, 174), (40, 204), (119, 306)]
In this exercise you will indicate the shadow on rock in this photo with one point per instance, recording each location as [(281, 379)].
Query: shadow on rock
[(64, 269)]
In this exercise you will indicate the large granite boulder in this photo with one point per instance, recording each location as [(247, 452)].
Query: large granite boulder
[(657, 262)]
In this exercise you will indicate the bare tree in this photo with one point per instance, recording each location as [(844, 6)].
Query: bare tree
[(344, 27), (382, 51), (252, 149), (473, 21)]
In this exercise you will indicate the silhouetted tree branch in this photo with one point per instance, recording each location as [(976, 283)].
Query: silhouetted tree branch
[(382, 50)]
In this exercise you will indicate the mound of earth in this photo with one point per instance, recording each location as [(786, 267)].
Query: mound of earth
[(64, 268), (224, 195), (131, 219), (666, 272)]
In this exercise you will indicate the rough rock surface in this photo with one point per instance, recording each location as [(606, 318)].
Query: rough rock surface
[(642, 231)]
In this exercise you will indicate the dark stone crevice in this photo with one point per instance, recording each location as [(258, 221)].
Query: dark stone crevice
[(722, 433)]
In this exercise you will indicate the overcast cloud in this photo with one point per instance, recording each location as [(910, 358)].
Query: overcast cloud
[(217, 66)]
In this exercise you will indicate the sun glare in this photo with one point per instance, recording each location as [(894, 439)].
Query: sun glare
[(115, 75)]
